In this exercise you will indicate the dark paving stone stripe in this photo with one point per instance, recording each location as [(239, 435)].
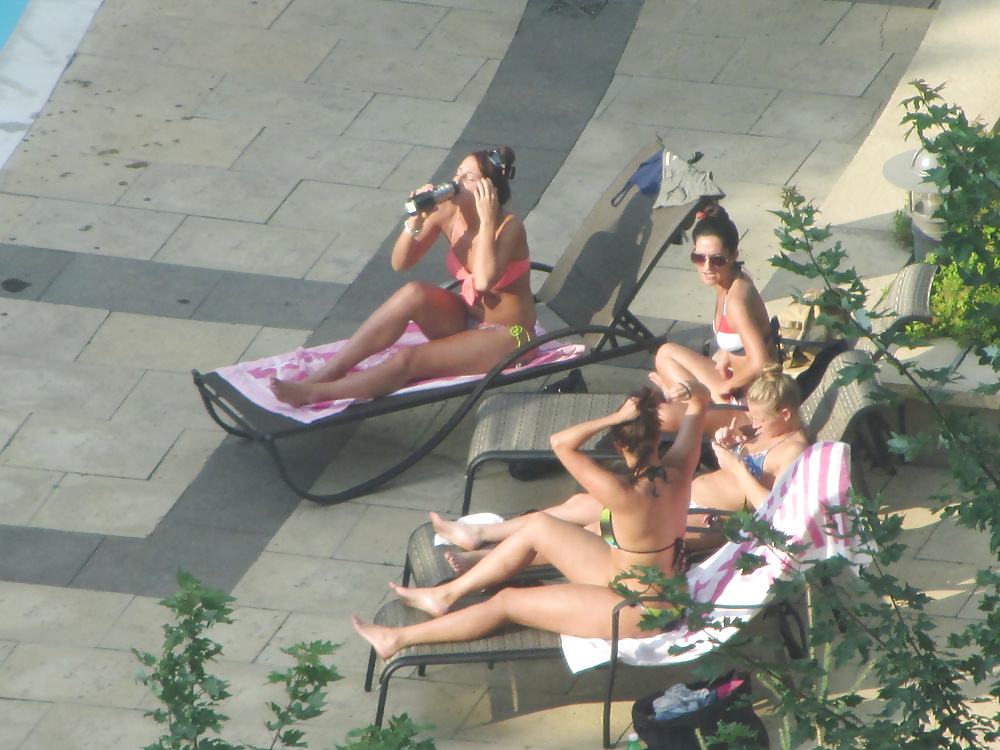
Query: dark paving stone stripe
[(147, 287), (556, 71)]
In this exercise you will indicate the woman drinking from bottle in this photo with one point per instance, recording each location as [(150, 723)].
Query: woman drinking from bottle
[(469, 332)]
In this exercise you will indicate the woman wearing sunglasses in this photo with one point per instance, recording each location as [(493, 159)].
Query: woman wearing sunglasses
[(469, 332), (742, 327)]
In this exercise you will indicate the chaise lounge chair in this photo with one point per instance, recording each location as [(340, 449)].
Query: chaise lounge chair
[(807, 503), (831, 413), (517, 426), (589, 290)]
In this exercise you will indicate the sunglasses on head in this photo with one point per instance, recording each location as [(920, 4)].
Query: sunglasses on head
[(715, 261), (496, 160)]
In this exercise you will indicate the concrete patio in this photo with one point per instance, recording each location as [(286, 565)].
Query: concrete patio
[(215, 182)]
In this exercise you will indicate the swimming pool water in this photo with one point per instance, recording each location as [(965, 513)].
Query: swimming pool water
[(38, 38), (10, 11)]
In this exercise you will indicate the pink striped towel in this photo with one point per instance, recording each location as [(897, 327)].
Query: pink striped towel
[(253, 379), (805, 504)]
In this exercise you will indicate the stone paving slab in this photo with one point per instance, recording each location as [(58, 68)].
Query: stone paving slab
[(109, 79), (207, 191), (277, 200), (65, 388), (89, 228), (263, 101), (153, 289), (69, 176), (27, 555), (86, 446), (245, 247), (840, 70), (165, 344), (36, 270), (281, 303), (105, 505), (44, 330), (22, 493)]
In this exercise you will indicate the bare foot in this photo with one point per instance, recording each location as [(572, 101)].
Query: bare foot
[(464, 535), (382, 639), (426, 599), (461, 562), (657, 381), (293, 394)]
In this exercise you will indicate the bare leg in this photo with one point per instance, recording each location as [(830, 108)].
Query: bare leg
[(675, 363), (436, 311), (466, 353), (579, 555), (580, 509), (582, 610)]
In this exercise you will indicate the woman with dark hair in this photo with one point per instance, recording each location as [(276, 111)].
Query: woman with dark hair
[(645, 517), (469, 332), (750, 461), (741, 323)]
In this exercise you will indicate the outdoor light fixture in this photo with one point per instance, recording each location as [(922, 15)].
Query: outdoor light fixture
[(909, 170)]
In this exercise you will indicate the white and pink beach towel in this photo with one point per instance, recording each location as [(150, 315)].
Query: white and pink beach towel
[(253, 379), (805, 504)]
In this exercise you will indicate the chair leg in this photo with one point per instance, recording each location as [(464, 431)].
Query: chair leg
[(383, 691), (607, 706), (372, 657), (470, 477)]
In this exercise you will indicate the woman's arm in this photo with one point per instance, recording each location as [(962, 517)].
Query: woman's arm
[(749, 367), (685, 453), (416, 237), (497, 240), (604, 485)]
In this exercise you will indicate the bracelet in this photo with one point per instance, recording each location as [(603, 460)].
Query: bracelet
[(412, 231)]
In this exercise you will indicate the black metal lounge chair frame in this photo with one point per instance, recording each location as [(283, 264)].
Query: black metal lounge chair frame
[(519, 643), (593, 302)]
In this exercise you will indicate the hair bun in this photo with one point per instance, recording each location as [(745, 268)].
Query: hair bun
[(771, 369), (715, 211)]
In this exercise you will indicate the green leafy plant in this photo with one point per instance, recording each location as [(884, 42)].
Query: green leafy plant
[(955, 306), (191, 695), (397, 736), (902, 229)]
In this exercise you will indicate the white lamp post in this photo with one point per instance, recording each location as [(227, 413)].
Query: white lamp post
[(909, 170)]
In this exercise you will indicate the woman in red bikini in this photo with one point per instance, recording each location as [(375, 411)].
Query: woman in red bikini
[(468, 333), (741, 324)]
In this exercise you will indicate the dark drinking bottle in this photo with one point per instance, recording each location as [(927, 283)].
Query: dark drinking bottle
[(438, 194)]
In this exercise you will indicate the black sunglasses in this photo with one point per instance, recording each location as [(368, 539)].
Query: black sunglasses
[(715, 261)]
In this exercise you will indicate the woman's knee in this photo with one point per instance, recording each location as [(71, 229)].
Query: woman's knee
[(666, 353), (412, 296)]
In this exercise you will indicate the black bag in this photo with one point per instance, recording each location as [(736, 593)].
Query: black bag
[(525, 470), (679, 732)]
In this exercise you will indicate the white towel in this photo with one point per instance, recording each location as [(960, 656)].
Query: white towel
[(476, 518), (802, 504)]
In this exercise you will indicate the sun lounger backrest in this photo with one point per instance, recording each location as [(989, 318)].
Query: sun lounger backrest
[(830, 410), (612, 254), (908, 300)]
